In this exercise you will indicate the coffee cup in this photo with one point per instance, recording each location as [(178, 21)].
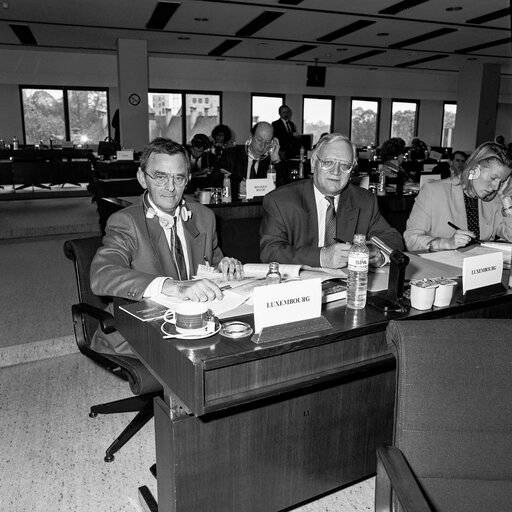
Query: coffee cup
[(191, 316), (444, 292), (205, 196), (423, 293)]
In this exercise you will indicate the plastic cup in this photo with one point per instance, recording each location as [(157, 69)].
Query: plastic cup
[(205, 196), (444, 293), (423, 293)]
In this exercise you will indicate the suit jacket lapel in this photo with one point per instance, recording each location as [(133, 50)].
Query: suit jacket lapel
[(309, 206), (161, 247), (347, 215), (196, 242)]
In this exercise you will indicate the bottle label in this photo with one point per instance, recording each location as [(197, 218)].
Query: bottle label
[(358, 262)]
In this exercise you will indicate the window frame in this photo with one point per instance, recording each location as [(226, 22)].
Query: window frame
[(64, 89), (265, 95), (319, 97), (183, 93), (442, 121), (416, 117), (379, 104)]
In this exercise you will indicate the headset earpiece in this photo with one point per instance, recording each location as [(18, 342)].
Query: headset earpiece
[(474, 173)]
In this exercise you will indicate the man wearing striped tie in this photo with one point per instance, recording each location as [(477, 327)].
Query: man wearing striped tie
[(313, 222), (156, 244)]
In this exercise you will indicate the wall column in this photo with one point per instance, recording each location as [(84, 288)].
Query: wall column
[(477, 105), (132, 72)]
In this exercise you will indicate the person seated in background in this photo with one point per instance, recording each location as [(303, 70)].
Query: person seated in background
[(454, 168), (392, 154), (313, 222), (286, 132), (156, 244), (202, 165), (252, 160), (222, 139), (419, 150), (478, 201)]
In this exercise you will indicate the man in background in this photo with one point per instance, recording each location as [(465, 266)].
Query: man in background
[(313, 222), (286, 132), (252, 160)]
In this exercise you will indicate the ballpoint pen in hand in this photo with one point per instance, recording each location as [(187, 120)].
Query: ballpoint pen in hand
[(473, 240)]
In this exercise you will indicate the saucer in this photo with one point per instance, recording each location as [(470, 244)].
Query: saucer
[(169, 329)]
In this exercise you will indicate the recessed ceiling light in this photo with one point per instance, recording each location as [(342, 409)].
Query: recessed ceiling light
[(381, 34), (373, 69), (201, 19), (471, 58), (5, 5), (456, 8), (183, 38), (341, 49), (262, 44)]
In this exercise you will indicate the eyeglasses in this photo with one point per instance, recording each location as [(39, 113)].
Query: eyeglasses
[(329, 164), (161, 179)]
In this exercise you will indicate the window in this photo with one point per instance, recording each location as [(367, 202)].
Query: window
[(449, 117), (317, 116), (364, 121), (265, 107), (59, 114), (202, 114), (404, 119)]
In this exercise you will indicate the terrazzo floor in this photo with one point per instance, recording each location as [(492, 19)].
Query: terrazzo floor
[(51, 456)]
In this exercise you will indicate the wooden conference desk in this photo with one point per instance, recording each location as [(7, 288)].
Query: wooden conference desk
[(265, 427)]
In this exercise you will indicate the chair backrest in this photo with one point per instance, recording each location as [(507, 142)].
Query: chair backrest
[(453, 410), (81, 251)]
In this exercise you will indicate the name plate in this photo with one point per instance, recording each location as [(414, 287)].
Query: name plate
[(259, 187), (287, 302), (125, 154), (479, 271)]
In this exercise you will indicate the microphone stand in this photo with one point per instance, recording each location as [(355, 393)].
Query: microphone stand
[(393, 300)]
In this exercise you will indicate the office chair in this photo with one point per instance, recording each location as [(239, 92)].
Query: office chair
[(453, 418), (87, 315)]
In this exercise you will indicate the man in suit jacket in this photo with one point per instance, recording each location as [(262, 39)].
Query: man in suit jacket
[(286, 132), (156, 244), (252, 160), (296, 227)]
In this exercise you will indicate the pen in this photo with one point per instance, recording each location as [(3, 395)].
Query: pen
[(225, 287), (452, 225)]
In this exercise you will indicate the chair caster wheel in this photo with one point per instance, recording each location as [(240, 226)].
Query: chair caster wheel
[(108, 458), (93, 414)]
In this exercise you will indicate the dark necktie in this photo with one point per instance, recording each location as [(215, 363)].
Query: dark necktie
[(252, 174), (330, 222), (178, 255), (288, 129), (471, 204)]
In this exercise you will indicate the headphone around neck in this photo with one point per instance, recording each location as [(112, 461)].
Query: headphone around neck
[(166, 220)]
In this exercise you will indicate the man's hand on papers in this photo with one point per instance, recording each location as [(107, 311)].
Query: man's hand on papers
[(231, 268), (197, 290)]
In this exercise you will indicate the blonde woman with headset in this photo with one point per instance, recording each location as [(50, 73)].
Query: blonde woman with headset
[(474, 206)]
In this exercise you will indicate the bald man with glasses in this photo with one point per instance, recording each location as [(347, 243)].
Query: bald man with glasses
[(313, 221)]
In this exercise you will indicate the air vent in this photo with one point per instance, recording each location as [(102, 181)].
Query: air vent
[(258, 23), (24, 34), (420, 61), (361, 56), (424, 37), (293, 53), (161, 15), (491, 16), (402, 6), (349, 29), (224, 47)]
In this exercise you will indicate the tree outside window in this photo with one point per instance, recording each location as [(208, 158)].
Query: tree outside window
[(449, 117), (403, 120), (364, 122), (317, 118)]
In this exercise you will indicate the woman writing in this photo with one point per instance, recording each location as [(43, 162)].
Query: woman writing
[(478, 202)]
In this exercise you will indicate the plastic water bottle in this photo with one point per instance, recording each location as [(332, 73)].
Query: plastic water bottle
[(271, 172), (226, 190), (357, 284), (302, 156), (15, 144)]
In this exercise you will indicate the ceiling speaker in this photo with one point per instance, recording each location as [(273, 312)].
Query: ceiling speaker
[(316, 76)]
